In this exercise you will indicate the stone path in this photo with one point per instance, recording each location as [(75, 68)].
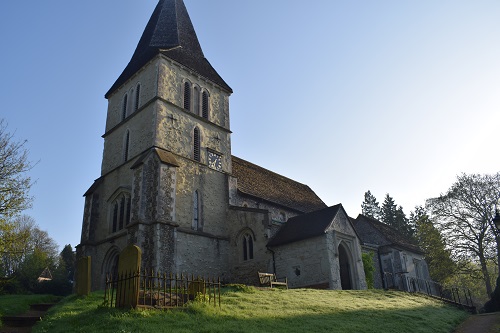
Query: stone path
[(23, 323), (483, 323)]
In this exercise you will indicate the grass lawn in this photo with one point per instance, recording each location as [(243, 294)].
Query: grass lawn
[(251, 310), (17, 304)]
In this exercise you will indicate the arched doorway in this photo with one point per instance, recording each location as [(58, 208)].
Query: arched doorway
[(110, 264), (345, 268)]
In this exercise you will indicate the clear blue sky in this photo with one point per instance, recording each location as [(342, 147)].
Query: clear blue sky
[(392, 96)]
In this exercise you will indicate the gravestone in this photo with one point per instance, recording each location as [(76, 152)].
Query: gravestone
[(129, 265), (196, 288), (83, 268)]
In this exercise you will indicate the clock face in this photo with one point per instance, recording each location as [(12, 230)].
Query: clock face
[(215, 161)]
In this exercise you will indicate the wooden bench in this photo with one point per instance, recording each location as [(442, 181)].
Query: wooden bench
[(269, 279)]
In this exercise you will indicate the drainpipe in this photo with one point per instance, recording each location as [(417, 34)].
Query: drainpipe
[(274, 261)]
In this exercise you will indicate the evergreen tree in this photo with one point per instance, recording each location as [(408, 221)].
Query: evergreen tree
[(394, 216), (388, 211), (370, 206), (68, 259), (430, 240), (403, 224)]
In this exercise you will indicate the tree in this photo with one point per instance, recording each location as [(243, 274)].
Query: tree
[(430, 240), (68, 259), (15, 239), (394, 216), (388, 211), (370, 206), (14, 181), (369, 268), (23, 239), (464, 215), (403, 225)]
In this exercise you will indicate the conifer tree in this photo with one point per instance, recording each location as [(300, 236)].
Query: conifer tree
[(394, 216), (388, 211), (370, 206)]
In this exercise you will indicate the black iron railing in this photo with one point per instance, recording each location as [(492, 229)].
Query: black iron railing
[(453, 294), (159, 290)]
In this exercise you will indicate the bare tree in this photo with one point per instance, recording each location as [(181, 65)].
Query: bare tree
[(464, 215), (14, 181)]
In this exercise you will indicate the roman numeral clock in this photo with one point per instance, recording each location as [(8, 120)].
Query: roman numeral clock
[(215, 161)]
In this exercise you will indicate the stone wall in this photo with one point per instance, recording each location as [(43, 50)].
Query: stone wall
[(248, 221), (171, 78), (278, 215), (315, 261), (304, 263), (146, 77), (200, 254)]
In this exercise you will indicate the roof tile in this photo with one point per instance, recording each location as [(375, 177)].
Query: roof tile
[(261, 183)]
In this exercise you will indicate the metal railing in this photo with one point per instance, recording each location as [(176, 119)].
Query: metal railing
[(453, 294), (160, 290)]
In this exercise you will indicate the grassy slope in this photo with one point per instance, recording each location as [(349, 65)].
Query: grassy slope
[(11, 305), (18, 304), (266, 311)]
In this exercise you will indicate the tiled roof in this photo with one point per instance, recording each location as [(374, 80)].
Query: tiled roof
[(392, 235), (305, 226), (164, 156), (171, 33), (261, 183)]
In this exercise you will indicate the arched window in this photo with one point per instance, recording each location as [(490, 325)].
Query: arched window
[(196, 101), (124, 106), (121, 211), (196, 225), (126, 146), (187, 95), (204, 105), (115, 217), (247, 247), (196, 144), (137, 96)]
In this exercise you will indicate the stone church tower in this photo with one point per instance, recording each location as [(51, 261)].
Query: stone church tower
[(170, 185), (167, 154)]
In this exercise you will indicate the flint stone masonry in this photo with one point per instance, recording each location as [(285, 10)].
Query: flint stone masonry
[(301, 264), (256, 223), (201, 254)]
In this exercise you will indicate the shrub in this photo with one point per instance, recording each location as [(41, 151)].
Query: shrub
[(369, 268)]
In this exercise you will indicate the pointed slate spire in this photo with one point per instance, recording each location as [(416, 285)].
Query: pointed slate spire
[(170, 32)]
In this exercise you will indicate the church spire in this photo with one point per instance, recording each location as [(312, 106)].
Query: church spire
[(171, 33)]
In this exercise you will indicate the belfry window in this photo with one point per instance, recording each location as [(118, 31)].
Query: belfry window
[(137, 96), (121, 212), (196, 101), (196, 144), (187, 95), (247, 245), (196, 225), (126, 146), (204, 105), (124, 106)]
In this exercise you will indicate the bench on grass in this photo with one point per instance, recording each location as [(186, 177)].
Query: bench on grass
[(269, 279)]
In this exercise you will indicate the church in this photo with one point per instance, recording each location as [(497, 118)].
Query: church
[(170, 185)]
